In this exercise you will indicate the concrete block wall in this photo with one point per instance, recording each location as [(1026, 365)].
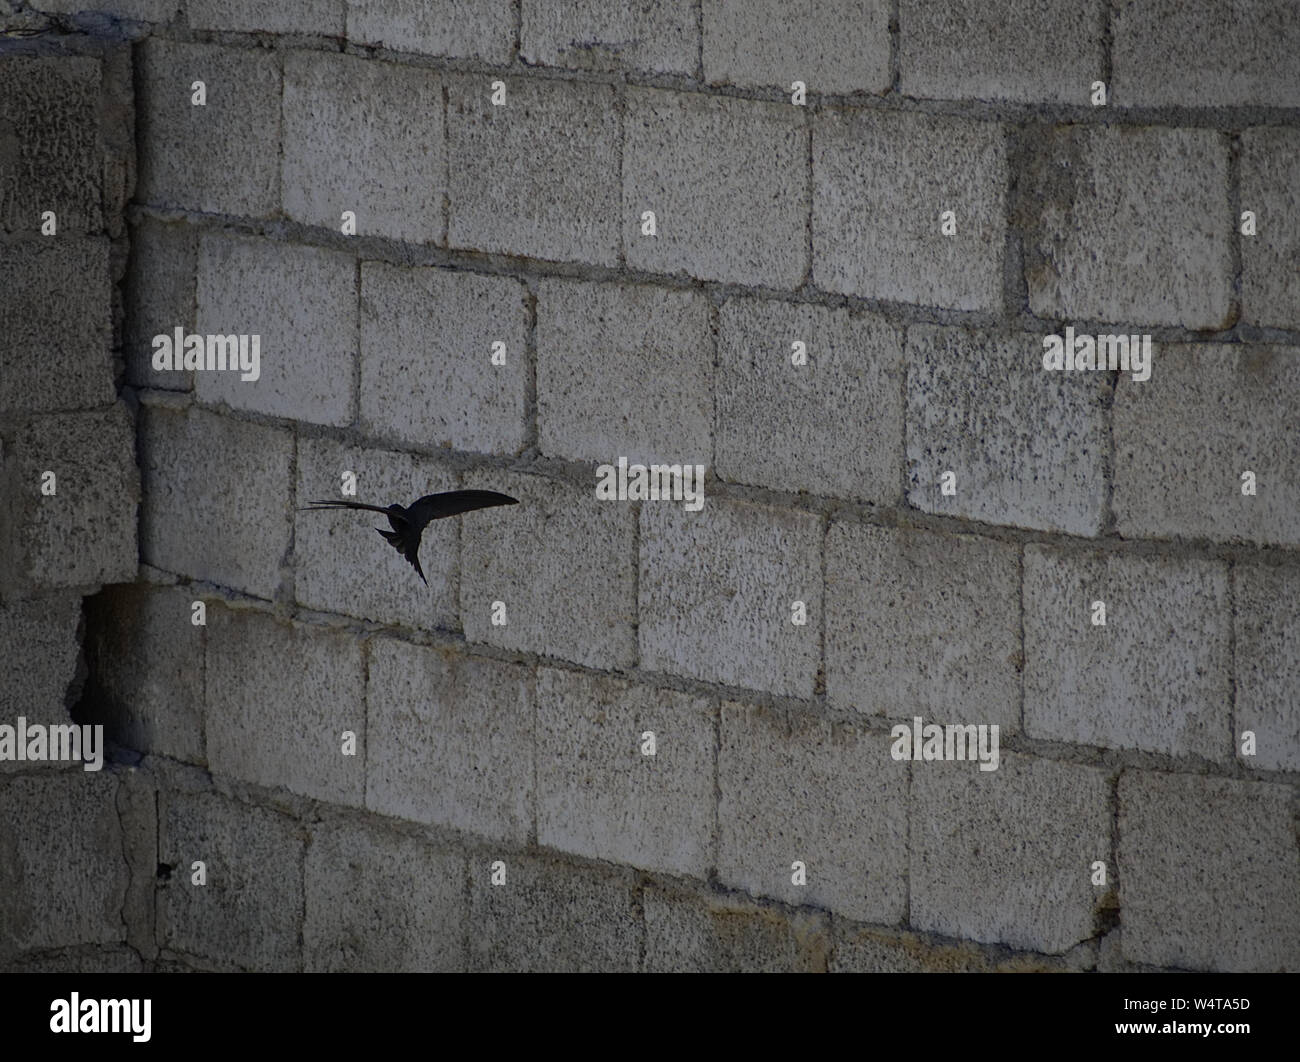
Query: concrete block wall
[(379, 773)]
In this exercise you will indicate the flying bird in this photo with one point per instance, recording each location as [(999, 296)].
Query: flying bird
[(408, 522)]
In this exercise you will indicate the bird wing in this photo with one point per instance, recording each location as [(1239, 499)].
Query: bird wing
[(406, 540), (452, 502)]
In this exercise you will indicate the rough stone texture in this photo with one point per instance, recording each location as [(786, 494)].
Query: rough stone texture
[(463, 29), (533, 177), (1184, 437), (341, 565), (62, 874), (658, 37), (828, 796), (85, 533), (159, 293), (51, 156), (726, 180), (451, 740), (599, 795), (278, 699), (1207, 871), (365, 137), (1005, 856), (1127, 224), (922, 623), (39, 647), (249, 914), (831, 426), (623, 371), (865, 949), (1028, 52), (85, 960), (302, 301), (221, 158), (323, 17), (717, 590), (1155, 677), (723, 933), (1270, 260), (192, 463), (146, 659), (838, 46), (378, 901), (1203, 53), (880, 185), (548, 918), (1267, 659), (143, 10), (561, 562), (58, 316), (1028, 446), (427, 376)]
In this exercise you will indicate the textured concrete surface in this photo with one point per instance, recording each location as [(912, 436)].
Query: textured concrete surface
[(39, 646), (1270, 260), (830, 426), (159, 294), (467, 29), (1174, 478), (829, 797), (427, 371), (924, 624), (658, 37), (1227, 851), (1155, 677), (1267, 655)]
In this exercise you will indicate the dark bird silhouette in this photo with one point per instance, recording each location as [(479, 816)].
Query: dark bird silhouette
[(408, 522)]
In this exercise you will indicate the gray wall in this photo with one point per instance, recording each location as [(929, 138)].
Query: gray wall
[(776, 223)]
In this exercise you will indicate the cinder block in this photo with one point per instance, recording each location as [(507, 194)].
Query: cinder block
[(139, 10), (456, 29), (55, 346), (550, 918), (599, 794), (39, 647), (427, 376), (561, 563), (302, 302), (827, 796), (101, 959), (193, 462), (657, 37), (726, 180), (51, 156), (1270, 260), (1127, 224), (970, 49), (451, 740), (378, 901), (63, 878), (146, 662), (865, 949), (624, 370), (83, 534), (366, 137), (537, 176), (279, 698), (717, 594), (159, 294), (1185, 437), (1006, 856), (222, 157), (833, 425), (317, 17), (1207, 873), (1155, 677), (715, 934), (1267, 660), (1028, 446), (341, 565), (837, 46), (249, 914), (881, 183), (1200, 53), (923, 623)]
